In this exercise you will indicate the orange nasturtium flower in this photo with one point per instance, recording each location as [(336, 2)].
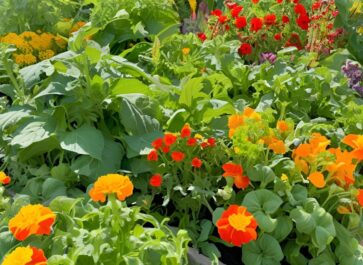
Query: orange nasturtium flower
[(25, 256), (236, 172), (237, 226), (110, 184), (356, 142), (4, 179), (237, 120), (342, 170), (360, 197), (317, 179), (32, 220), (282, 125)]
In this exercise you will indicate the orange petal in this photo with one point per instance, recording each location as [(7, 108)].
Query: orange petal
[(317, 179)]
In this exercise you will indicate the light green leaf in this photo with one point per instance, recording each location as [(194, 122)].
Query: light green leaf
[(86, 140)]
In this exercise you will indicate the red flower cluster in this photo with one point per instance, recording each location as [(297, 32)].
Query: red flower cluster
[(178, 148), (251, 30)]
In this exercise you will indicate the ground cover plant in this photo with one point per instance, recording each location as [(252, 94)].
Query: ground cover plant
[(181, 132)]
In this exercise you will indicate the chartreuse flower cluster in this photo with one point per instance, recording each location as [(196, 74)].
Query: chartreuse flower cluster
[(33, 47)]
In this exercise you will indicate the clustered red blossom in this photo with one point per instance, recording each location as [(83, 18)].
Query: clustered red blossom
[(254, 32), (178, 148)]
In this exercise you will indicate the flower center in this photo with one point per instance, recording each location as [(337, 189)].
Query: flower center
[(239, 221)]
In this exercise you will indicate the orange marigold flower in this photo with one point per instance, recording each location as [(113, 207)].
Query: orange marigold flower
[(169, 139), (317, 179), (4, 179), (185, 131), (283, 126), (109, 184), (177, 156), (360, 197), (236, 171), (356, 142), (237, 226), (25, 256), (186, 51), (156, 180), (196, 162), (153, 155), (32, 220)]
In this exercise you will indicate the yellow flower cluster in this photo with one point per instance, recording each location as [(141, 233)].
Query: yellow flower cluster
[(33, 47)]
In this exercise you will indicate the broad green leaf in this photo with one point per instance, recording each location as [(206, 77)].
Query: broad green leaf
[(264, 251), (129, 86), (64, 204), (262, 200), (34, 131), (140, 145), (190, 91), (283, 228), (53, 188), (86, 140), (13, 116), (135, 122)]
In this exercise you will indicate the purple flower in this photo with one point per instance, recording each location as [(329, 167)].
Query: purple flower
[(268, 56), (355, 75)]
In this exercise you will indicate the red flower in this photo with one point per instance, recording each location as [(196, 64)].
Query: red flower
[(216, 12), (202, 36), (303, 21), (256, 24), (294, 41), (185, 131), (245, 49), (177, 156), (277, 36), (204, 145), (191, 142), (255, 1), (156, 180), (236, 10), (236, 171), (285, 19), (335, 13), (241, 22), (360, 197), (152, 156), (196, 162), (165, 149), (158, 143), (169, 139), (222, 19), (270, 19), (299, 9), (231, 5), (237, 226), (279, 1), (211, 141), (316, 5)]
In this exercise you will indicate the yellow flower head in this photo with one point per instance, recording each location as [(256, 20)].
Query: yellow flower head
[(186, 51), (32, 220), (25, 256), (4, 179), (109, 184)]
